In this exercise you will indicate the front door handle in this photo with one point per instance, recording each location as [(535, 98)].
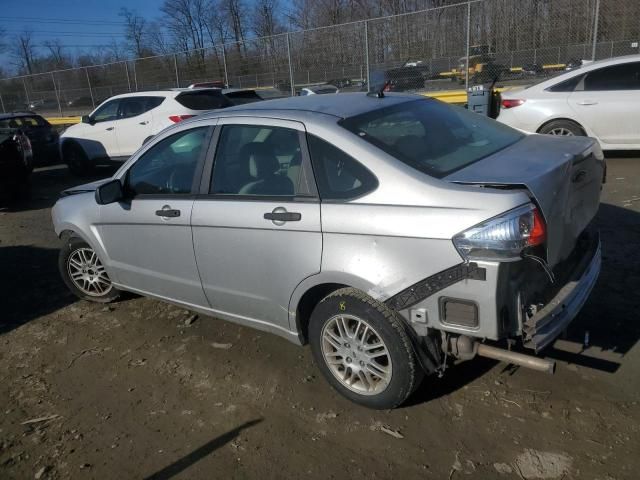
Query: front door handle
[(588, 102), (109, 129), (168, 212), (145, 122), (280, 215)]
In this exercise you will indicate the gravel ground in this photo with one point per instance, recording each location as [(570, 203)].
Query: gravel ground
[(138, 389)]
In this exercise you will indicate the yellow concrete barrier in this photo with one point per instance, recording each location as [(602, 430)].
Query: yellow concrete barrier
[(63, 120)]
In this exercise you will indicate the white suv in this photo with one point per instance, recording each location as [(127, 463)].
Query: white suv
[(121, 124)]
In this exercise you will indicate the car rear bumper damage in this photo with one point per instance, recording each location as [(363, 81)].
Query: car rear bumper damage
[(545, 325)]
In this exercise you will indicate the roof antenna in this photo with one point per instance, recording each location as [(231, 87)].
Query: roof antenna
[(380, 93)]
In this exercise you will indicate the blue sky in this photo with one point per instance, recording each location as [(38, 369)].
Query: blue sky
[(74, 22)]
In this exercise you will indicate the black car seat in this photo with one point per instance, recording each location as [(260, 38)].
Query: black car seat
[(264, 169)]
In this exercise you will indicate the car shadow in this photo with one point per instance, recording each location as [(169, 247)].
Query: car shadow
[(30, 285), (185, 462), (45, 186), (609, 316)]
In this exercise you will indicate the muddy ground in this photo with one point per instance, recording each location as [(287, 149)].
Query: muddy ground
[(134, 390)]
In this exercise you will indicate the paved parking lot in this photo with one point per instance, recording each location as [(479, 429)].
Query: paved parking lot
[(139, 389)]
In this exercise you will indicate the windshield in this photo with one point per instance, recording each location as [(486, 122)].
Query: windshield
[(432, 137)]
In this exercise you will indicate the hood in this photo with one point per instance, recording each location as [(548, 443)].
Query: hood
[(87, 187), (563, 175)]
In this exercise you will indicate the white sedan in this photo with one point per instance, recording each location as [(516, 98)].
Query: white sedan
[(601, 100)]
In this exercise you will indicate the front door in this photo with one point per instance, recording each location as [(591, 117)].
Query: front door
[(256, 231), (147, 238), (98, 138)]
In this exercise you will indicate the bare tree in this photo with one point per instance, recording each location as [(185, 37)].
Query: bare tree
[(266, 18), (135, 31), (24, 52), (56, 53)]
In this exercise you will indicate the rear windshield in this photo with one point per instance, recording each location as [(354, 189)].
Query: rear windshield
[(203, 100), (432, 137), (243, 96), (34, 121)]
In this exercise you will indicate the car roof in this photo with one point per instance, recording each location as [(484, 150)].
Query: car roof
[(342, 105), (587, 67)]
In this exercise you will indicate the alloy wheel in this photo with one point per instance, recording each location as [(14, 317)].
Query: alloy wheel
[(561, 131), (356, 354), (87, 273)]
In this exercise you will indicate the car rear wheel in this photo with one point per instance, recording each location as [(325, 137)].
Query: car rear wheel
[(565, 128), (83, 272), (77, 160), (363, 350)]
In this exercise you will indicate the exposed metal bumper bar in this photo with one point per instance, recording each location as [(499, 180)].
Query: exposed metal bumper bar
[(547, 324)]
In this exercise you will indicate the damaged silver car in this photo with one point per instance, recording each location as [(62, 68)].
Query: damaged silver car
[(392, 233)]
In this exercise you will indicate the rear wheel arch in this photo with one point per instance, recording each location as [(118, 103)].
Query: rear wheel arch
[(308, 301), (562, 119)]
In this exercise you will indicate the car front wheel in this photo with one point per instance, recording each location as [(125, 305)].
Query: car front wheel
[(363, 350), (83, 272), (564, 128)]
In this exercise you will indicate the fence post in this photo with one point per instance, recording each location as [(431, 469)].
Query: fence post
[(135, 75), (466, 69), (93, 103), (293, 85), (126, 70), (366, 54), (2, 103), (26, 91), (595, 30), (175, 66), (53, 79), (224, 64)]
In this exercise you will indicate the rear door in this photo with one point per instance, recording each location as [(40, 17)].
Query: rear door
[(256, 225), (134, 122), (148, 237), (607, 100)]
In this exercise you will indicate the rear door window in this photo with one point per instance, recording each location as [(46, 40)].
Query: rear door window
[(134, 106), (203, 100), (617, 77)]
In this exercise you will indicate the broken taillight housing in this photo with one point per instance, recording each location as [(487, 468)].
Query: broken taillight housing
[(504, 237)]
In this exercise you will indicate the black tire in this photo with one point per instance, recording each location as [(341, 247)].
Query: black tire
[(556, 126), (404, 369), (71, 246), (77, 160)]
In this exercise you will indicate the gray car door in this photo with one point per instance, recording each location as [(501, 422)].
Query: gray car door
[(256, 226), (147, 237)]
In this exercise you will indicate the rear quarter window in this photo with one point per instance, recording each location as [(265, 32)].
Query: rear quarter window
[(203, 100)]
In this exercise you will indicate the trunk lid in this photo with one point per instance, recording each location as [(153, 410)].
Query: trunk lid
[(563, 175)]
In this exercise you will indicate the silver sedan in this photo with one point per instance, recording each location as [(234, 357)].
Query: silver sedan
[(391, 233)]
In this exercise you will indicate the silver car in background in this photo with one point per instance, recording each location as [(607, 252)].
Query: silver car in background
[(391, 233)]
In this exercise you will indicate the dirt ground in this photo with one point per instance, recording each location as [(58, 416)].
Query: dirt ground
[(138, 390)]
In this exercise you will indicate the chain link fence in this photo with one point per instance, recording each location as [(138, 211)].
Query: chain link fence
[(444, 48)]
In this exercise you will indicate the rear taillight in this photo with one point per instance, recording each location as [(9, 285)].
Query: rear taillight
[(511, 102), (504, 237), (179, 118)]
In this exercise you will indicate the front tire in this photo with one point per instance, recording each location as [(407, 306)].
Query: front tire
[(77, 160), (83, 272), (363, 350)]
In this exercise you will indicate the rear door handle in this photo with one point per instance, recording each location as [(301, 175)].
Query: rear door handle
[(144, 123), (109, 129), (280, 216), (168, 213)]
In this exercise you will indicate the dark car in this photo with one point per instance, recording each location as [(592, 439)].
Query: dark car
[(16, 161), (405, 78), (44, 139)]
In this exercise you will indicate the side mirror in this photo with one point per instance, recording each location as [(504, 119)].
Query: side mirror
[(109, 192), (87, 119)]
